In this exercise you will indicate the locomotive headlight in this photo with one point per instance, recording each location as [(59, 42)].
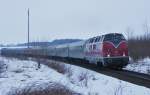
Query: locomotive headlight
[(108, 55), (124, 54)]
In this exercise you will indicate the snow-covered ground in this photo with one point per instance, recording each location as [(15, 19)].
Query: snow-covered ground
[(20, 74), (142, 66)]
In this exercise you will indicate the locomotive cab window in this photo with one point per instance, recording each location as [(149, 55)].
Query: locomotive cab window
[(96, 40), (111, 37), (114, 38), (100, 39)]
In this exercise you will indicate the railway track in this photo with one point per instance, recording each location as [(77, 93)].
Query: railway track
[(128, 76), (140, 79)]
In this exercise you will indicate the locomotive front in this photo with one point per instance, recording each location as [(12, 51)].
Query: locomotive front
[(115, 50)]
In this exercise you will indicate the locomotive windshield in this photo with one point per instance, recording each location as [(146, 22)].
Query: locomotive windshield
[(114, 38)]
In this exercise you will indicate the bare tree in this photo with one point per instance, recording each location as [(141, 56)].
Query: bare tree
[(146, 29), (129, 32)]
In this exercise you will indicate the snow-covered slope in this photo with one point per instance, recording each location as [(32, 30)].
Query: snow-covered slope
[(20, 74), (98, 84)]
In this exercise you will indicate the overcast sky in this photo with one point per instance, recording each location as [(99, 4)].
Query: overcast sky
[(57, 19)]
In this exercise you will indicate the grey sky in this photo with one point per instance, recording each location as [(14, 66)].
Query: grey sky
[(56, 19)]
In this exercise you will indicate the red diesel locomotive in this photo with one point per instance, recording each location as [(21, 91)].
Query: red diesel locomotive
[(107, 50)]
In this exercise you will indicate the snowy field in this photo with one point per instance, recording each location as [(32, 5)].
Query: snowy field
[(19, 74), (142, 66)]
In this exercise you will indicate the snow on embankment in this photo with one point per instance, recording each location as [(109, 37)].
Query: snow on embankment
[(142, 66), (19, 74), (98, 84)]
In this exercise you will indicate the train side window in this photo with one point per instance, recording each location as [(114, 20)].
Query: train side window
[(99, 39), (102, 38), (88, 41), (96, 40), (94, 47), (92, 40), (90, 47)]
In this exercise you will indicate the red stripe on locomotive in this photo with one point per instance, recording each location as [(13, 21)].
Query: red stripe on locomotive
[(110, 50)]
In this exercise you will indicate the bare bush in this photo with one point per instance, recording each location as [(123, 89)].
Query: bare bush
[(59, 67), (69, 71), (119, 90), (53, 89), (3, 66), (83, 77)]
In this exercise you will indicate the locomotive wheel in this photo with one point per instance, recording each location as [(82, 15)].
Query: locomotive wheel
[(120, 68), (99, 64)]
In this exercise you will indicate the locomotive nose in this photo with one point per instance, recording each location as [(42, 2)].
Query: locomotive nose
[(113, 51)]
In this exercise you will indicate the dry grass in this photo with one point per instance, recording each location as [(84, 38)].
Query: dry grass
[(83, 78), (53, 89), (59, 67)]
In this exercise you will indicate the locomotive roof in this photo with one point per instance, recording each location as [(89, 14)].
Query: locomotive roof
[(70, 44), (104, 35), (111, 33)]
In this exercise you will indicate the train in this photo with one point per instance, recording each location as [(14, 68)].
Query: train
[(109, 50)]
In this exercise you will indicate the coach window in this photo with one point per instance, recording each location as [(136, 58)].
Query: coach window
[(90, 47), (102, 38), (99, 39), (94, 47), (91, 41), (88, 41), (96, 40)]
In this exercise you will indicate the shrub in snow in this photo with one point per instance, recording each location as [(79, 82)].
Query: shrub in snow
[(59, 67), (83, 78), (69, 71), (3, 66), (51, 89), (119, 89)]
